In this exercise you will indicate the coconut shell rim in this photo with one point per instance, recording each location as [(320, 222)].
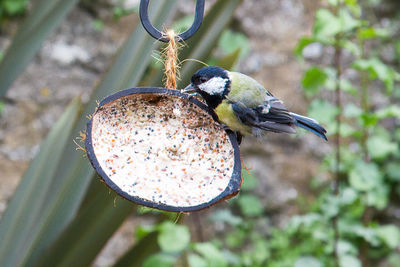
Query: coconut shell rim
[(235, 181)]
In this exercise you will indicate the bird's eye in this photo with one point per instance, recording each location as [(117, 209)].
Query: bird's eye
[(203, 79)]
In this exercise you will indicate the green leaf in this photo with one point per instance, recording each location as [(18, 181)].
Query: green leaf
[(393, 259), (347, 21), (45, 16), (377, 70), (354, 7), (313, 81), (325, 113), (347, 130), (390, 235), (350, 46), (369, 119), (346, 248), (354, 229), (98, 25), (389, 111), (18, 226), (348, 196), (352, 111), (364, 176), (14, 7), (195, 260), (230, 41), (331, 82), (378, 196), (393, 171), (160, 260), (333, 2), (226, 216), (380, 147), (349, 261), (250, 205), (303, 43), (307, 261), (330, 206), (213, 256), (250, 181), (307, 220), (397, 47), (260, 251), (371, 33), (235, 239), (326, 24), (143, 230), (173, 237)]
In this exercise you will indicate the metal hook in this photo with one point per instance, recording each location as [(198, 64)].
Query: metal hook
[(155, 33)]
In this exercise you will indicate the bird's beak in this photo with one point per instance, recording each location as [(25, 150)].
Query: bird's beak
[(189, 89)]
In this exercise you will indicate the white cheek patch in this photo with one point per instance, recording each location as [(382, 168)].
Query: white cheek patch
[(214, 86)]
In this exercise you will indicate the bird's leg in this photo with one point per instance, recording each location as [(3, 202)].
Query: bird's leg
[(239, 137), (225, 127)]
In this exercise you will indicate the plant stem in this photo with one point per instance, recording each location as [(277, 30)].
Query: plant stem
[(365, 106), (338, 103), (198, 226), (364, 101), (337, 61)]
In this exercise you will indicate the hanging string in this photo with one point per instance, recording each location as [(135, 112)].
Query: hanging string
[(171, 60)]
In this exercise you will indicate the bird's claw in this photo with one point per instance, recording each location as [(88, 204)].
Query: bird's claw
[(193, 95), (225, 127)]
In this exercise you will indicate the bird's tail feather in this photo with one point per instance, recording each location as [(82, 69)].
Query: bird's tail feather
[(310, 125)]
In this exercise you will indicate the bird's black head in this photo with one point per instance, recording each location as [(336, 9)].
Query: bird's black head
[(213, 84)]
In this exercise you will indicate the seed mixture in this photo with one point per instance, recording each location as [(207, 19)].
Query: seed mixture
[(162, 149)]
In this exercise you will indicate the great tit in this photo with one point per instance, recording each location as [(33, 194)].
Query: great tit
[(245, 106)]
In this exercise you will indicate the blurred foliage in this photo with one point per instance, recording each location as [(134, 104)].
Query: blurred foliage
[(120, 10), (11, 8), (351, 224)]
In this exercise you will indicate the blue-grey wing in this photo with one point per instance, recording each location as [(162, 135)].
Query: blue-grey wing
[(270, 116)]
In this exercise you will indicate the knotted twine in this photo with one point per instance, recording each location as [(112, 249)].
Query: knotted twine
[(171, 60)]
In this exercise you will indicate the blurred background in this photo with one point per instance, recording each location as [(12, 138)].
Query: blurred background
[(304, 201)]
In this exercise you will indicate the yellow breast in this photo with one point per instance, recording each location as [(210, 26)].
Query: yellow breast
[(226, 116)]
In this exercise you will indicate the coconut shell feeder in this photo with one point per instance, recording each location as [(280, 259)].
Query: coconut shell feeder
[(161, 148)]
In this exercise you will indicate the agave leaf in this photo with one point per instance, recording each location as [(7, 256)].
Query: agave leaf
[(24, 209), (229, 61), (42, 20), (99, 217), (136, 256), (72, 180)]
